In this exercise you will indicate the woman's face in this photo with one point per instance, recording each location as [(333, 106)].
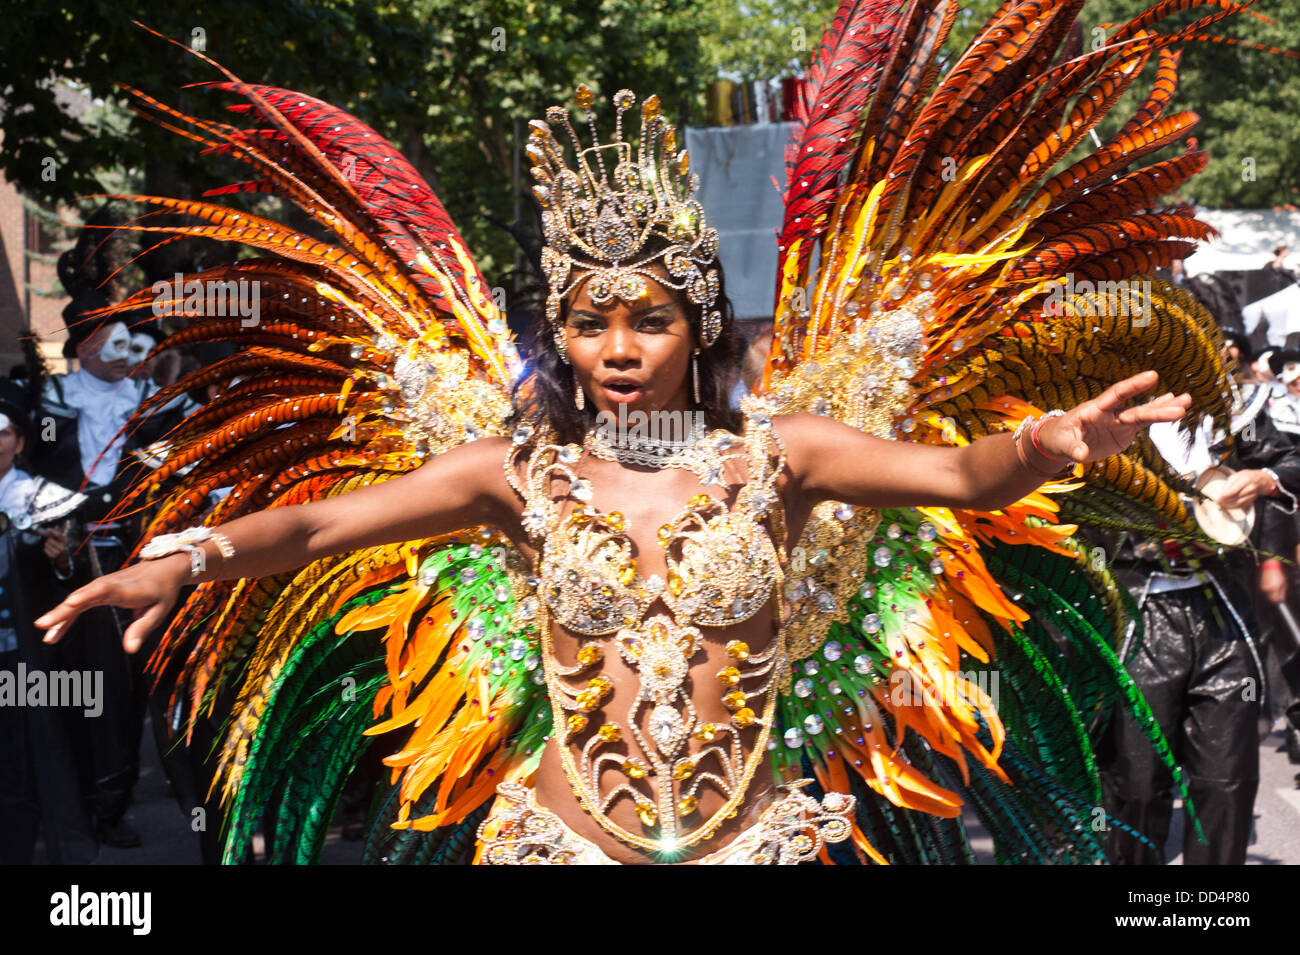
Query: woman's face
[(635, 354), (11, 445)]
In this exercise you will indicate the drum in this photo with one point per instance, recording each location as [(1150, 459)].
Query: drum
[(1230, 526)]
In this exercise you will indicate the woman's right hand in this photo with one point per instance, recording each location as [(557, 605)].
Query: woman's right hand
[(149, 588)]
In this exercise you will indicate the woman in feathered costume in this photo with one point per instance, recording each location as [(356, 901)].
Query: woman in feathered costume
[(585, 642)]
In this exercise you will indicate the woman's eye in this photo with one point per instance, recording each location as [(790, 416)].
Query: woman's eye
[(587, 327), (654, 323)]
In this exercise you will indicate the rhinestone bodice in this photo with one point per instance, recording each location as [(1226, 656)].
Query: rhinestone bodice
[(721, 562), (722, 566)]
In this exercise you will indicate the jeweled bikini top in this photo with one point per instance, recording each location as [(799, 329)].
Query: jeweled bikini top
[(722, 567), (721, 561)]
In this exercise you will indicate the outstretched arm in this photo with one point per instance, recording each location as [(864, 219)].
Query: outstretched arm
[(832, 461), (462, 488)]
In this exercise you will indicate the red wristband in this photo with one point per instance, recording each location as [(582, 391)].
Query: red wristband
[(1033, 439)]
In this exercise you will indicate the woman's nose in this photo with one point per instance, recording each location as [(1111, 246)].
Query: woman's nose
[(620, 345)]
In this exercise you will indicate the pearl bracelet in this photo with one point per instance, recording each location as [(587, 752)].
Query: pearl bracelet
[(189, 540)]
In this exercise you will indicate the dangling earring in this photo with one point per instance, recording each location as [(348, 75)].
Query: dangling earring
[(695, 375), (579, 399)]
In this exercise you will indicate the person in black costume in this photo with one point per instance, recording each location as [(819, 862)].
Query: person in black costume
[(1199, 664), (85, 411), (40, 793)]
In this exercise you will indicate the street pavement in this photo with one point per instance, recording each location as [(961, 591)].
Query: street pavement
[(168, 840)]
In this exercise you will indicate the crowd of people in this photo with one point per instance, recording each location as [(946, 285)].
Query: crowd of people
[(1217, 652), (66, 455)]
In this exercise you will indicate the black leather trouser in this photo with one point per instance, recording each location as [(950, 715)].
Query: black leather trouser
[(109, 745), (1202, 684)]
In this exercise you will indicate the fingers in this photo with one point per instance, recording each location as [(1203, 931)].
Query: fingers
[(1167, 407), (58, 620), (143, 625), (1113, 398)]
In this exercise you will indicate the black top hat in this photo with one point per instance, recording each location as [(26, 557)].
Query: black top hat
[(1280, 358), (16, 414), (148, 328), (79, 328)]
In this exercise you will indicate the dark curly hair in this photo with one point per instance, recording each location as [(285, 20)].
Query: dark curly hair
[(545, 392)]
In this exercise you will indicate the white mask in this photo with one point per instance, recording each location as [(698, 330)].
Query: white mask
[(118, 344), (140, 345)]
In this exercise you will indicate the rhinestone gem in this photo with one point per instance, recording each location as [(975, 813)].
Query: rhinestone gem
[(794, 737), (813, 724), (882, 556), (803, 688), (871, 623), (832, 650), (666, 728), (927, 532), (862, 664)]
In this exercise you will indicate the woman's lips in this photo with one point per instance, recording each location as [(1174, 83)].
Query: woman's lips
[(622, 393)]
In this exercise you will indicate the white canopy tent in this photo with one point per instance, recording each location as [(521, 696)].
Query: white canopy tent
[(1282, 312), (1246, 240)]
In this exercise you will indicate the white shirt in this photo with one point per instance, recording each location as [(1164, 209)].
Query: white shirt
[(16, 491), (1186, 459), (103, 408)]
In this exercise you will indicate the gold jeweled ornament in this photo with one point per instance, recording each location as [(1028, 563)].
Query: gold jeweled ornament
[(722, 568), (598, 215)]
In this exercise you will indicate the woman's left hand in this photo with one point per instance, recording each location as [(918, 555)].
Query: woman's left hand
[(1106, 425)]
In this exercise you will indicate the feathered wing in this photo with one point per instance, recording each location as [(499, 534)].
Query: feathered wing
[(961, 283), (371, 344)]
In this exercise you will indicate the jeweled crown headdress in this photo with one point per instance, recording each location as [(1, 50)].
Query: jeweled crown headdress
[(594, 225)]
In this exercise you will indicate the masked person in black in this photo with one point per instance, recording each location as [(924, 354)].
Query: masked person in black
[(84, 412), (40, 793), (1199, 663)]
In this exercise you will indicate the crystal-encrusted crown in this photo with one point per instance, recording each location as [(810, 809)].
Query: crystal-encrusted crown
[(598, 215)]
